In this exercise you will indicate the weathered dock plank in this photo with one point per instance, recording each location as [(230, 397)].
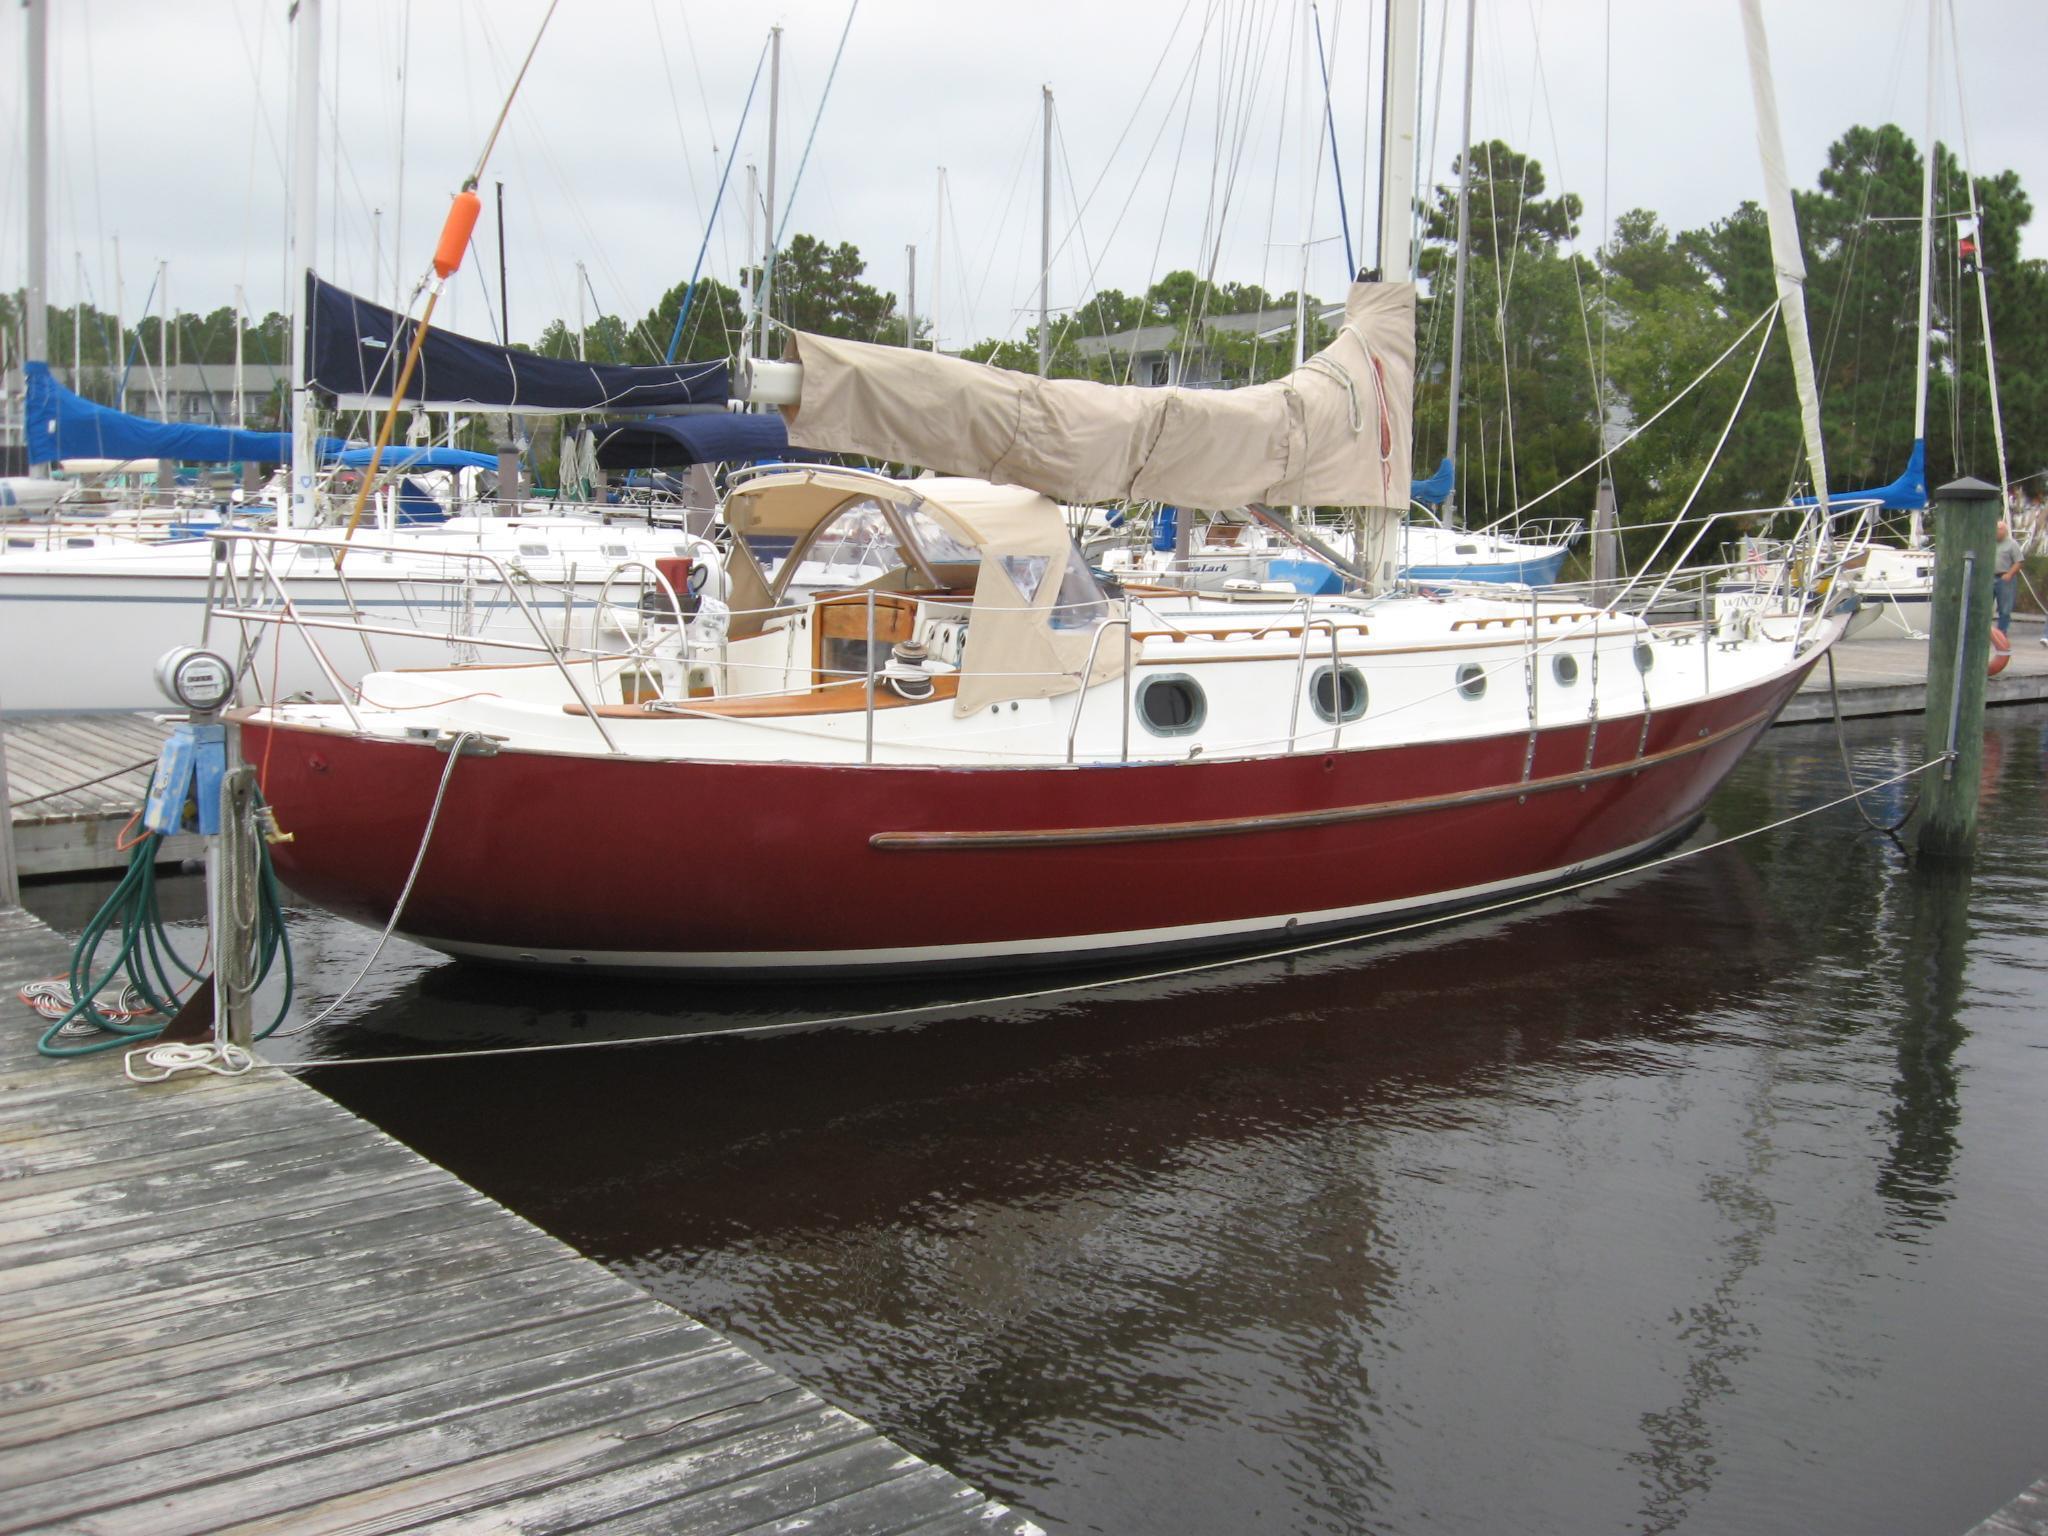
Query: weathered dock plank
[(233, 1305), (72, 783), (2026, 1515)]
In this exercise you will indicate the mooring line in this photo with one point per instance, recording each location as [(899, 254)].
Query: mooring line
[(1074, 988)]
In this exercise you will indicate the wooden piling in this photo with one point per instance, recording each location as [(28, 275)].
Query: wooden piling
[(1959, 650), (1606, 543)]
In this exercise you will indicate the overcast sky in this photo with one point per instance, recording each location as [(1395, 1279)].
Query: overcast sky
[(1176, 134)]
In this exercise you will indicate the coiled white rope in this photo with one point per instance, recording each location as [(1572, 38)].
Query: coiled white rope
[(1071, 989), (160, 1063)]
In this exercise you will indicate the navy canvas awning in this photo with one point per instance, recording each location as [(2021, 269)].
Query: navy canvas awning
[(357, 348), (676, 442), (62, 425)]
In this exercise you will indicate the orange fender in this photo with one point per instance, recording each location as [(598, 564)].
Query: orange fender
[(2001, 652)]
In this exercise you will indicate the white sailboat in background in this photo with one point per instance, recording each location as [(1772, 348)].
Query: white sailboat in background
[(98, 606)]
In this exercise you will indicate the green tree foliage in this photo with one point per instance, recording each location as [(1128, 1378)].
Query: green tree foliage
[(817, 287), (1529, 416), (1542, 325), (1507, 208), (712, 331)]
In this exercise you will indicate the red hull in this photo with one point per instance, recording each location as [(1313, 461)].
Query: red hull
[(631, 863)]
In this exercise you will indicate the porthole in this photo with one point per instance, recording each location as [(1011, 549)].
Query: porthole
[(1472, 680), (1565, 669), (1172, 705), (1645, 657), (1337, 694)]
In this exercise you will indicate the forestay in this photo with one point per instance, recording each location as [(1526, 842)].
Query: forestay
[(1335, 432)]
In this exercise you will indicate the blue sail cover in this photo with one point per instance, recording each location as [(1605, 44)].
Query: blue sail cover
[(1433, 491), (676, 442), (357, 348), (398, 457), (62, 425), (1908, 493)]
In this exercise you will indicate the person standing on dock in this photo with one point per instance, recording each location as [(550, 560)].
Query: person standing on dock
[(2005, 577)]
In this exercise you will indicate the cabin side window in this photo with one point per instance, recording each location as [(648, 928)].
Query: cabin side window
[(1337, 694), (1171, 705)]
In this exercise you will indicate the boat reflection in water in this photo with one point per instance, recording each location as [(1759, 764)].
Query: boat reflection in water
[(1709, 1199)]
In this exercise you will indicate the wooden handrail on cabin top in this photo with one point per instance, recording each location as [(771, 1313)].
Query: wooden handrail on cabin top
[(849, 697), (1246, 631)]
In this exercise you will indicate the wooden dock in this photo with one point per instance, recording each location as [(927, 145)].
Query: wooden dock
[(229, 1304), (72, 783), (1888, 676), (2026, 1515)]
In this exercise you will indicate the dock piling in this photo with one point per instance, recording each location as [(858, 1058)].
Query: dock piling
[(1965, 515)]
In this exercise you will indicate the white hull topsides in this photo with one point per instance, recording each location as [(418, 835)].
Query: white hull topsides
[(96, 619)]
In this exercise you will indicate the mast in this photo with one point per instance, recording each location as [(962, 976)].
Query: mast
[(1045, 242), (1458, 279), (1916, 537), (78, 321), (305, 165), (910, 296), (751, 325), (241, 395), (1311, 139), (118, 363), (36, 296), (1785, 254), (938, 258), (582, 348), (1399, 142), (158, 379), (774, 120)]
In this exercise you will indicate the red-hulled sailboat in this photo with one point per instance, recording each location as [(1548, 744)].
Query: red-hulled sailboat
[(986, 757)]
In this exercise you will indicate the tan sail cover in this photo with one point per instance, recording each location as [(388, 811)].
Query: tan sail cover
[(1335, 432)]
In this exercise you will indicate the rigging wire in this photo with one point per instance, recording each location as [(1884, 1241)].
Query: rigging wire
[(1330, 118), (1215, 215), (419, 334), (676, 110), (697, 271), (1983, 253), (1166, 49), (1272, 205), (1074, 989), (1188, 81), (796, 182), (1663, 410)]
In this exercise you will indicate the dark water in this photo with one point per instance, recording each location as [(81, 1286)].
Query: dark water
[(1713, 1200)]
